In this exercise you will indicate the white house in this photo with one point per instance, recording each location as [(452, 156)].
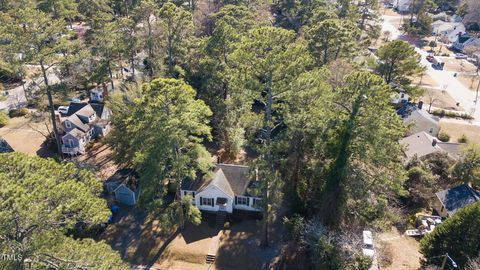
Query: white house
[(228, 189), (402, 5), (82, 123), (401, 97), (448, 30), (465, 40)]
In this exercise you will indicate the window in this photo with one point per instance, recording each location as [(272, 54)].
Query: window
[(257, 203), (67, 124), (206, 201), (70, 142), (242, 201), (191, 193)]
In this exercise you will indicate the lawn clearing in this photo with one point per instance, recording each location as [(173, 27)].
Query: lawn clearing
[(458, 65), (456, 130), (26, 134), (472, 82), (439, 99), (425, 81)]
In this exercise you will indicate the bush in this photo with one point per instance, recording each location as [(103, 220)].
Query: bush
[(457, 236), (444, 137), (463, 139), (18, 112), (443, 113), (3, 119)]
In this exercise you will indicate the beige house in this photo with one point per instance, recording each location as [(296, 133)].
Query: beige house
[(420, 120), (422, 144)]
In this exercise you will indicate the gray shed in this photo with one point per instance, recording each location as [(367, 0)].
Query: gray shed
[(124, 186)]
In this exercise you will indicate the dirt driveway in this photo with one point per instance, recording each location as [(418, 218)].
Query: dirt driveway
[(404, 251)]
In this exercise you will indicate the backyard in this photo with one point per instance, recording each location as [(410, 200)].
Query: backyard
[(141, 242), (26, 134)]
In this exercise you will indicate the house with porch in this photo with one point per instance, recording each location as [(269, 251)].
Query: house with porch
[(82, 123), (228, 189)]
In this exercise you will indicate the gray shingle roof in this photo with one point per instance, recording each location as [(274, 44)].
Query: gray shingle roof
[(4, 146), (423, 144), (457, 197), (77, 133), (231, 179)]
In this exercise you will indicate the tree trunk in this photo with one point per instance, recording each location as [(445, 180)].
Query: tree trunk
[(111, 75), (52, 110), (268, 159), (150, 47)]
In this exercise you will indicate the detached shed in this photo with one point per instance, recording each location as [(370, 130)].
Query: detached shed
[(447, 202), (124, 186)]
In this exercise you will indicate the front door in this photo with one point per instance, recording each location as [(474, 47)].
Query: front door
[(222, 203)]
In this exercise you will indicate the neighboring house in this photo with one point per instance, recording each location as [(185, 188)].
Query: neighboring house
[(465, 40), (83, 123), (98, 94), (124, 186), (226, 190), (422, 144), (448, 30), (447, 202), (399, 98), (4, 146), (421, 120), (402, 5)]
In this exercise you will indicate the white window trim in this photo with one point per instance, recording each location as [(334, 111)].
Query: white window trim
[(207, 201), (242, 200)]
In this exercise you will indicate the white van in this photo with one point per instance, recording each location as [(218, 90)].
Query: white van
[(368, 248)]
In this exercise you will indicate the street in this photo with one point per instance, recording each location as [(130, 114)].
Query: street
[(16, 96), (444, 79)]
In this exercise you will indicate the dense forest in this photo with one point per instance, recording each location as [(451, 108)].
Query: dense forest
[(288, 87)]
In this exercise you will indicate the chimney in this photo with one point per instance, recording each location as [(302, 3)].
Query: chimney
[(105, 91), (420, 104), (434, 142)]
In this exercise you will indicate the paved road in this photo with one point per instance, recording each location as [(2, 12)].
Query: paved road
[(444, 79), (16, 96)]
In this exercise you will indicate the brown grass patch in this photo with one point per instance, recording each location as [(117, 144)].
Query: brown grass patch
[(441, 99), (457, 130), (404, 250), (425, 81), (458, 65), (470, 81)]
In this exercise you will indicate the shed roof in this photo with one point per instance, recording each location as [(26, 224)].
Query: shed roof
[(457, 197)]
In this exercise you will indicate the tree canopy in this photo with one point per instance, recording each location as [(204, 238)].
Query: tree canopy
[(457, 236), (41, 200)]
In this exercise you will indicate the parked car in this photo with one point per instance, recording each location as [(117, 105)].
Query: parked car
[(460, 56), (368, 249), (63, 109), (430, 58)]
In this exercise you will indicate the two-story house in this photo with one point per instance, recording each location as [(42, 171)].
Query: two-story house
[(82, 123)]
